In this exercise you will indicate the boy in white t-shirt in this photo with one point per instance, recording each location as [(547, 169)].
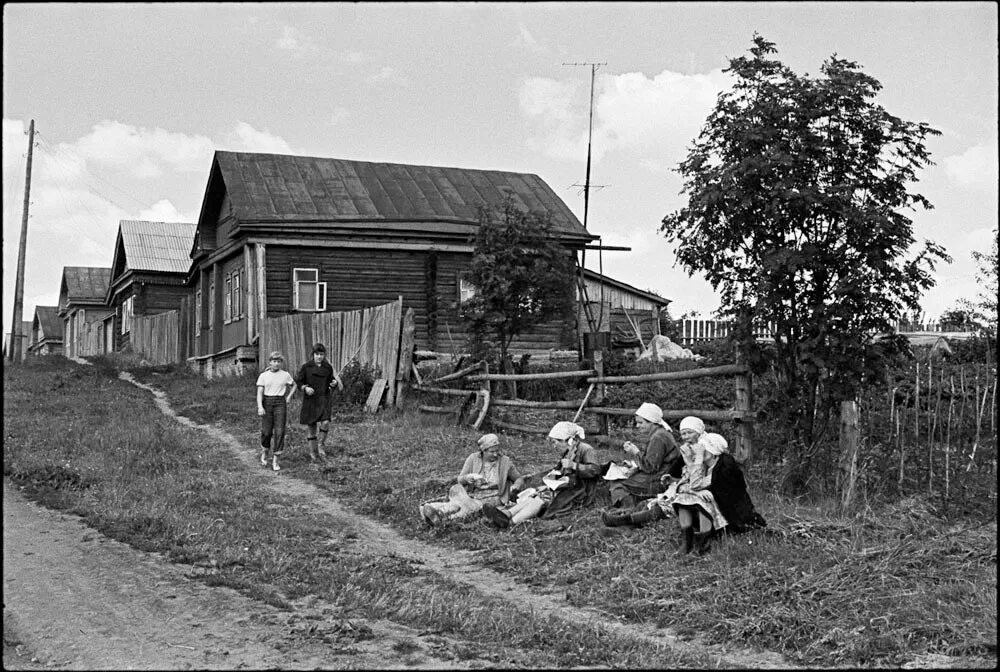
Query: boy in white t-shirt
[(275, 388)]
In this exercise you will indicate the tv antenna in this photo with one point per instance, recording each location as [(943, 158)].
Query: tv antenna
[(590, 138)]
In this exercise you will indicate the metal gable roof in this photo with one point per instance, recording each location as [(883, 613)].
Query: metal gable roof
[(86, 284), (273, 187), (157, 246)]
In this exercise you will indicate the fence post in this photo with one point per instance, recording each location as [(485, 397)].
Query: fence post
[(743, 450), (601, 391), (850, 438), (405, 357)]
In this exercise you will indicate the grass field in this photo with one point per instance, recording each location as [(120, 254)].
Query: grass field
[(890, 585)]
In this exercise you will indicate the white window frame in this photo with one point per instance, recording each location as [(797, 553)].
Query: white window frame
[(466, 290), (211, 302), (299, 281), (236, 310), (197, 310), (227, 299), (128, 308)]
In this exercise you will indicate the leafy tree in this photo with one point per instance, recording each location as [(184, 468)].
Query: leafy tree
[(797, 193), (983, 311), (955, 319), (522, 276)]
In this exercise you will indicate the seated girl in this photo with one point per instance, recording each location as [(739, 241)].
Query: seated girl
[(487, 476), (574, 481), (658, 456), (710, 492)]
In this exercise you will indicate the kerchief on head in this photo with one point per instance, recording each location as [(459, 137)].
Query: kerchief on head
[(691, 422), (565, 430), (653, 414)]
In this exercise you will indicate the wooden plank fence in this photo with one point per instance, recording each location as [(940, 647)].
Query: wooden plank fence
[(371, 336), (157, 337)]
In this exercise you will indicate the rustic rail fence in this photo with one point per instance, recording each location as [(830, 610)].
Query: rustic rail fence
[(371, 336), (476, 402), (157, 337)]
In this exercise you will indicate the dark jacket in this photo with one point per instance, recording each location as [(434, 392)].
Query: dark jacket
[(315, 406)]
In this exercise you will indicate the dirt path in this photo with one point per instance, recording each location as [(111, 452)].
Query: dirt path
[(123, 608)]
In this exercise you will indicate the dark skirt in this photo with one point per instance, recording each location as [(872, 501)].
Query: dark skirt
[(315, 408), (730, 491), (578, 493)]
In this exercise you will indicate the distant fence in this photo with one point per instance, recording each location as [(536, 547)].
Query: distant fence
[(695, 331), (370, 336), (156, 337)]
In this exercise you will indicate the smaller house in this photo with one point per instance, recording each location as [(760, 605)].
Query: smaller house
[(46, 331), (83, 310), (25, 338), (148, 272), (621, 310)]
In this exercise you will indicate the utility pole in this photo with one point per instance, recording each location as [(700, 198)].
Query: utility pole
[(15, 327), (593, 324)]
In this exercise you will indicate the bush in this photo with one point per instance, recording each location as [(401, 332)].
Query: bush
[(358, 380)]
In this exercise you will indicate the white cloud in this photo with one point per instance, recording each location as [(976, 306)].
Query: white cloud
[(295, 41), (389, 75), (245, 137), (338, 115), (525, 40), (651, 117), (976, 168), (146, 153), (165, 211)]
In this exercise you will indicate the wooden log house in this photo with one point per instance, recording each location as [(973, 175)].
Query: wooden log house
[(83, 309), (149, 272), (46, 332), (282, 234)]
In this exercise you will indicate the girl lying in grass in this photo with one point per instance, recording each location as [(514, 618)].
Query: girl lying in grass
[(574, 481), (486, 477), (711, 494)]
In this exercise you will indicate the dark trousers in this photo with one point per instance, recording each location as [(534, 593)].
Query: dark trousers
[(272, 424)]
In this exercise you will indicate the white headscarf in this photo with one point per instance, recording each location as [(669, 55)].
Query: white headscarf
[(488, 441), (565, 430), (713, 443), (693, 423), (653, 414)]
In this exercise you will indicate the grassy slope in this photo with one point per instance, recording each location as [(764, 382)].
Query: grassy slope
[(882, 588)]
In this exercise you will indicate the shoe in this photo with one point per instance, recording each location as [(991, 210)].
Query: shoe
[(701, 545), (274, 463), (611, 519), (687, 541), (496, 516), (322, 453), (263, 458)]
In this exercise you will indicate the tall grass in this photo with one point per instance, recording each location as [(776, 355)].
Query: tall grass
[(79, 439)]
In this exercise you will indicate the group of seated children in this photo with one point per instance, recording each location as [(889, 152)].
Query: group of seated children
[(697, 480)]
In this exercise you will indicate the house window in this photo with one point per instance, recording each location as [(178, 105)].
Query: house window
[(466, 290), (197, 311), (308, 292), (232, 298), (238, 293), (211, 302), (127, 314)]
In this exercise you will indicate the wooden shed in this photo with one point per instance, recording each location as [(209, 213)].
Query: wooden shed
[(622, 309), (83, 308), (46, 332), (283, 234), (149, 271)]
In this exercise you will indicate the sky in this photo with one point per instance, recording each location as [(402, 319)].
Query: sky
[(131, 100)]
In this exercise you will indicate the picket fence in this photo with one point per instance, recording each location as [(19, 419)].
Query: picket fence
[(696, 331)]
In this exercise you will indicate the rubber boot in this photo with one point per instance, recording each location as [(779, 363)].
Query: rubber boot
[(313, 455), (616, 519), (701, 545), (687, 541), (651, 515)]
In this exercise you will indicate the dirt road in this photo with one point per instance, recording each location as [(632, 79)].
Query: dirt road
[(76, 600)]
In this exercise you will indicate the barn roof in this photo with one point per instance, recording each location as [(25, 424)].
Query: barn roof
[(155, 246), (282, 188), (608, 281), (48, 321), (85, 284)]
